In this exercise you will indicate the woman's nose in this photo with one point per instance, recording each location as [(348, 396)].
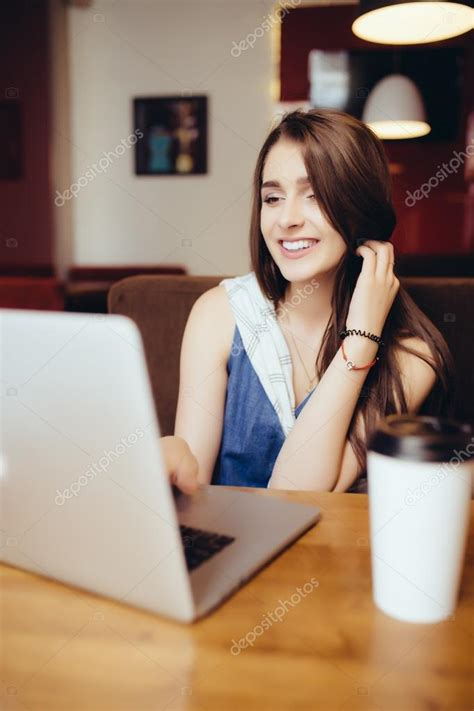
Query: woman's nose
[(291, 214)]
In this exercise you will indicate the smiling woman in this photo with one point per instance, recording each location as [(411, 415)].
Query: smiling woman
[(291, 366)]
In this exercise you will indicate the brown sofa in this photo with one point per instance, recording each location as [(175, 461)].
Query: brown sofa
[(87, 287), (31, 292), (160, 306)]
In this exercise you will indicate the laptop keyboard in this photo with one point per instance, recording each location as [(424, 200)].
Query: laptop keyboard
[(200, 545)]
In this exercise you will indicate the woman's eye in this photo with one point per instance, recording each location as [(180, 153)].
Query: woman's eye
[(270, 200)]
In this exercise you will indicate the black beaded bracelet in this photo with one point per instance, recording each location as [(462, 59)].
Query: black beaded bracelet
[(357, 332)]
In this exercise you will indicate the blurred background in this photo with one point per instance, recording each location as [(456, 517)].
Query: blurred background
[(129, 132)]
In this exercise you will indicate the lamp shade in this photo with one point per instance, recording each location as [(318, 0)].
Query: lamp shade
[(401, 22), (394, 109)]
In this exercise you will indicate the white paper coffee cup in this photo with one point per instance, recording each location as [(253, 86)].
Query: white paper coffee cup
[(420, 477)]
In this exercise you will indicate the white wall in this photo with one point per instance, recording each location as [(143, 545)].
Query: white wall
[(120, 49)]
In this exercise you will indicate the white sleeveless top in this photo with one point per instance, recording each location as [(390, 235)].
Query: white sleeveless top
[(264, 344)]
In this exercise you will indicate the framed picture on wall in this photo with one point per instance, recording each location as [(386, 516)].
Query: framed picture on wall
[(174, 138)]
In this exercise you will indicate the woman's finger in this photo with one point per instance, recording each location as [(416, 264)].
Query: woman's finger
[(181, 464), (185, 475), (370, 258), (384, 258)]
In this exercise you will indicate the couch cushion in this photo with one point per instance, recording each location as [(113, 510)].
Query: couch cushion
[(449, 304), (160, 306)]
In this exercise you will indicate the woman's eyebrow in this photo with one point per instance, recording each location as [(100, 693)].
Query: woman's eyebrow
[(304, 180)]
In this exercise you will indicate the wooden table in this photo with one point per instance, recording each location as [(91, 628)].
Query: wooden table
[(65, 649)]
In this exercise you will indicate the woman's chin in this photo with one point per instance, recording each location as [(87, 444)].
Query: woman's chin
[(299, 271)]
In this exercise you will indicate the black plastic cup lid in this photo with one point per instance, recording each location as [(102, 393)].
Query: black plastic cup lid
[(423, 439)]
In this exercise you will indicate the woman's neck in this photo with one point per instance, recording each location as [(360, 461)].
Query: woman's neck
[(307, 304)]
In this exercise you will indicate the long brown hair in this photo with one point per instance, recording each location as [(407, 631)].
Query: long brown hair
[(348, 170)]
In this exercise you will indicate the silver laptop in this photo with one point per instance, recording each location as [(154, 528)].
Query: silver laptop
[(85, 498)]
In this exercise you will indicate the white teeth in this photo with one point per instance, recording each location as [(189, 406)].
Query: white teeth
[(302, 244)]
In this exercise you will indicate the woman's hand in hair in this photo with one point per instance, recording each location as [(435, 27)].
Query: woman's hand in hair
[(375, 289), (181, 464)]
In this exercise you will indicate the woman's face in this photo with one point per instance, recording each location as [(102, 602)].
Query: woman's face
[(298, 236)]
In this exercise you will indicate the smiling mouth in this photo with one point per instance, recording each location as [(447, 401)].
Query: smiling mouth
[(297, 247)]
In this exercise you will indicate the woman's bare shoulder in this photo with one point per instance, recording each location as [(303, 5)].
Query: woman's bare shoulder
[(415, 343), (213, 317), (417, 375), (215, 303)]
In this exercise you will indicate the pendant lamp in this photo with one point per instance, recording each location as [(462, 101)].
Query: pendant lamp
[(401, 22), (394, 109)]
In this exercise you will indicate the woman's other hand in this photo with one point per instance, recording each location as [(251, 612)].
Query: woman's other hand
[(375, 289), (181, 464)]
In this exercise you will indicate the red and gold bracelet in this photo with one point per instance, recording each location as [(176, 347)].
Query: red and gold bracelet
[(350, 365)]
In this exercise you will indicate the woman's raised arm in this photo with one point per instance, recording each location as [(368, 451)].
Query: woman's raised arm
[(205, 349), (320, 432)]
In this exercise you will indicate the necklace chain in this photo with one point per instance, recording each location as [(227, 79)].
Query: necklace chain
[(311, 380)]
